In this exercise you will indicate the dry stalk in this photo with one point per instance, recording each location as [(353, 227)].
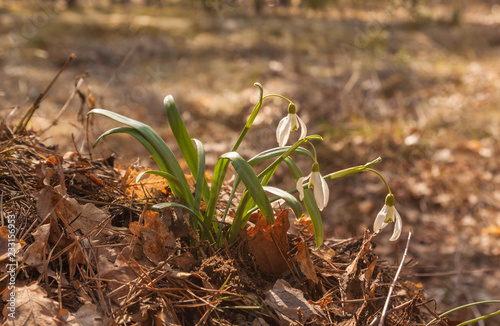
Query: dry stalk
[(393, 285)]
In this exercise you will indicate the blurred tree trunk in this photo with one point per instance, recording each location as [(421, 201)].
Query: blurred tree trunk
[(71, 4), (258, 6)]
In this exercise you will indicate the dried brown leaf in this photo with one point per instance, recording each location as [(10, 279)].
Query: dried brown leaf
[(268, 244), (149, 185), (5, 235), (304, 261), (289, 303), (116, 274), (155, 236), (82, 217), (35, 253), (33, 307)]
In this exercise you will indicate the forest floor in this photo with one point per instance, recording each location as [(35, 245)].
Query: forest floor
[(419, 89)]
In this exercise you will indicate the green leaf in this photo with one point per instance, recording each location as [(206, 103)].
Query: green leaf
[(240, 219), (193, 213), (278, 151), (251, 119), (184, 141), (137, 135), (310, 203), (217, 181), (201, 172), (252, 184), (293, 202), (167, 157), (172, 181)]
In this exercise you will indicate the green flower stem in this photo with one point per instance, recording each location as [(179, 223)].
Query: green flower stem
[(353, 170), (254, 114), (466, 306), (277, 95), (381, 177), (268, 172), (314, 151), (226, 211), (251, 119), (479, 318), (344, 173)]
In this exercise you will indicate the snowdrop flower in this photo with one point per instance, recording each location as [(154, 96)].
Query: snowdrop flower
[(289, 123), (388, 214), (316, 181)]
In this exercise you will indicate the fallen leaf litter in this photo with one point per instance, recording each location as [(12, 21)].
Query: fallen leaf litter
[(89, 249)]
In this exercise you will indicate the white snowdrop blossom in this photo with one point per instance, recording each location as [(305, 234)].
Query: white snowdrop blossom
[(389, 214), (290, 123), (316, 181)]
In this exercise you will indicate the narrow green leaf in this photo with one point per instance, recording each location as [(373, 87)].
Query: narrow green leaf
[(278, 151), (310, 203), (173, 183), (293, 202), (265, 176), (315, 215), (252, 184), (193, 213), (137, 135), (251, 119), (184, 141), (217, 181), (167, 157), (201, 172), (240, 219)]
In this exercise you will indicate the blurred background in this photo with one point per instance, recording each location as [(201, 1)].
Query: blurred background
[(415, 82)]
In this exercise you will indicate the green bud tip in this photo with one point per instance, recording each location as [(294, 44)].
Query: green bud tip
[(292, 109), (389, 200), (315, 167)]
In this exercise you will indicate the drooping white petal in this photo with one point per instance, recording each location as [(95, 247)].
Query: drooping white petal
[(293, 121), (300, 186), (398, 226), (283, 131), (380, 220), (321, 191), (326, 191), (303, 128)]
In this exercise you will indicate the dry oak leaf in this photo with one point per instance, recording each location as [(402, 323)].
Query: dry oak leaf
[(5, 235), (82, 217), (304, 261), (116, 274), (269, 243), (155, 236), (87, 315), (289, 304), (36, 252), (149, 186), (32, 307)]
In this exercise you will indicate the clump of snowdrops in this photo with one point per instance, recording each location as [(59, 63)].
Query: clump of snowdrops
[(313, 189)]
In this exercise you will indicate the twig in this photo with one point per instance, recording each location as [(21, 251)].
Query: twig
[(64, 108), (393, 285), (24, 121)]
